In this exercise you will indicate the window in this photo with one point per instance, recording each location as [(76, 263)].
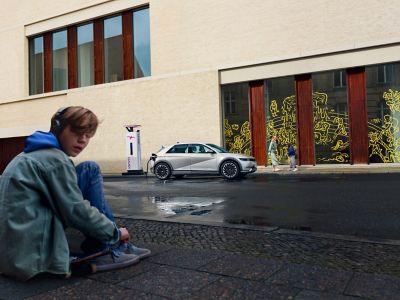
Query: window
[(113, 64), (230, 102), (383, 105), (85, 57), (60, 61), (385, 73), (198, 148), (122, 46), (330, 118), (182, 148), (141, 43), (36, 65), (339, 79), (235, 101), (280, 114)]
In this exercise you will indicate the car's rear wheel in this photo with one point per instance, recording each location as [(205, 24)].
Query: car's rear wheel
[(162, 171), (230, 169)]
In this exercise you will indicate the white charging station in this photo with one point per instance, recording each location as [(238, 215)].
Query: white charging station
[(133, 152)]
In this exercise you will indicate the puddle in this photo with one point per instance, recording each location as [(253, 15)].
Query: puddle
[(201, 212), (172, 206)]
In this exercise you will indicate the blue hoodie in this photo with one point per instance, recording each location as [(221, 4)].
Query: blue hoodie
[(291, 151), (41, 140)]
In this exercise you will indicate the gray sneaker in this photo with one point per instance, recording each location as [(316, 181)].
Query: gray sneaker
[(129, 248), (114, 260)]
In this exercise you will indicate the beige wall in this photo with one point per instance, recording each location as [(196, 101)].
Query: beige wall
[(191, 42), (170, 109), (222, 33), (208, 34)]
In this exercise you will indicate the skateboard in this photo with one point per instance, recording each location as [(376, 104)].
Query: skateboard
[(84, 263)]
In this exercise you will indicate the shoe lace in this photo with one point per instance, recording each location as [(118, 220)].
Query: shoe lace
[(130, 246), (115, 252)]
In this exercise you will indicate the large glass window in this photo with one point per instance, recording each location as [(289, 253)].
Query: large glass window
[(236, 118), (383, 105), (331, 126), (113, 54), (60, 61), (339, 79), (280, 114), (141, 43), (36, 65), (85, 55)]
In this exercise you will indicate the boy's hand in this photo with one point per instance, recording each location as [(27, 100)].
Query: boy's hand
[(124, 234)]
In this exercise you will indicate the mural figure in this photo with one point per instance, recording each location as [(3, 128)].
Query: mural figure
[(384, 133)]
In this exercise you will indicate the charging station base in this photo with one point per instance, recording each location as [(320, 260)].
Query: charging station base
[(133, 172)]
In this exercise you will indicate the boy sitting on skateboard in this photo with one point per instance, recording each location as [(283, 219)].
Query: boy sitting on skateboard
[(41, 193)]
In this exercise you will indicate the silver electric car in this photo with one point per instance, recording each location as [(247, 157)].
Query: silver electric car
[(199, 158)]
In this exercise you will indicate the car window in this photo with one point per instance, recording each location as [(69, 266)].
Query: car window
[(197, 148), (181, 148), (217, 148)]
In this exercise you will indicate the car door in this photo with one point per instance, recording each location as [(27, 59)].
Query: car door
[(178, 157), (203, 159)]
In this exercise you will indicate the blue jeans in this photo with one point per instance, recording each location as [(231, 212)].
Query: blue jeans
[(90, 182)]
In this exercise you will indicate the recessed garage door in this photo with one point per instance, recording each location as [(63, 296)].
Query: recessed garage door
[(9, 148)]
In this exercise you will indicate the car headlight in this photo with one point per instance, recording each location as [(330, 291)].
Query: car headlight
[(244, 159)]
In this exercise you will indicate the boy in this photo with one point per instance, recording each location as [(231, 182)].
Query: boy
[(41, 193), (292, 158)]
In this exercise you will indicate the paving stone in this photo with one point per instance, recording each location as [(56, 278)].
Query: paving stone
[(313, 278), (374, 286), (119, 275), (170, 282), (318, 265), (292, 248), (315, 295), (243, 267), (234, 288), (154, 248), (89, 289), (12, 289), (186, 258)]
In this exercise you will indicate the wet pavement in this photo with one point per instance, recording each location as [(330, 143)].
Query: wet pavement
[(363, 205), (222, 260)]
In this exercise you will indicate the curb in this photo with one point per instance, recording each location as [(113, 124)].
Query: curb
[(272, 229)]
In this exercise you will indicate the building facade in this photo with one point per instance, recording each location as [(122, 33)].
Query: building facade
[(322, 75)]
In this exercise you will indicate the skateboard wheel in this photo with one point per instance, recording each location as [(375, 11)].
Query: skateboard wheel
[(93, 268)]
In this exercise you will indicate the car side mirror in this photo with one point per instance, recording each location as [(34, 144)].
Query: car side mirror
[(210, 151)]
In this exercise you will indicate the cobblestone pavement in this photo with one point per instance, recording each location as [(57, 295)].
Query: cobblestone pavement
[(191, 261), (293, 248)]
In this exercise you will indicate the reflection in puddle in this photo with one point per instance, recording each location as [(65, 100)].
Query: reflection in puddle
[(179, 205)]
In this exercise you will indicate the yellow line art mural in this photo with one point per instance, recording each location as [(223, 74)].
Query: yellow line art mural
[(330, 129), (384, 135), (281, 121), (237, 137)]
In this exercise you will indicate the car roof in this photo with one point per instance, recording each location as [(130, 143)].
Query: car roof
[(186, 143)]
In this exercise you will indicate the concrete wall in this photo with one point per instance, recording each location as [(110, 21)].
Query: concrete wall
[(191, 41)]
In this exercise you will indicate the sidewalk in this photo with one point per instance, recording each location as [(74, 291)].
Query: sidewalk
[(333, 169), (192, 261)]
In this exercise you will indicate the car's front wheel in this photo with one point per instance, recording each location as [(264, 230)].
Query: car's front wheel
[(162, 171), (230, 169)]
